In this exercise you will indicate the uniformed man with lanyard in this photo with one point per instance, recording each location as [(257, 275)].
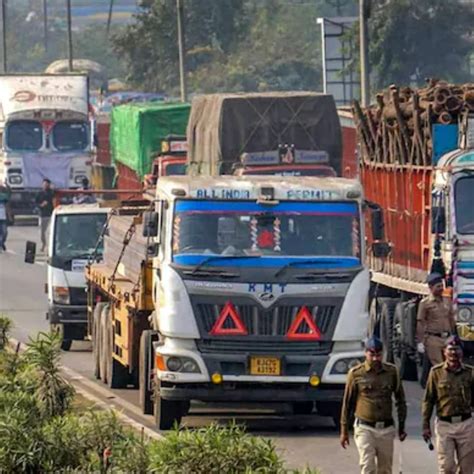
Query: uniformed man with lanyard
[(368, 395), (450, 388), (435, 320)]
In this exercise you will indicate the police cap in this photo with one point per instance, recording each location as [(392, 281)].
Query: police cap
[(453, 341), (434, 278), (373, 344)]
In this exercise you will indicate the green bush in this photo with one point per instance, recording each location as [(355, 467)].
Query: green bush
[(5, 328), (214, 449)]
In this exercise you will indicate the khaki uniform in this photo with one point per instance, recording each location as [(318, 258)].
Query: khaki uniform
[(453, 395), (435, 323), (368, 396)]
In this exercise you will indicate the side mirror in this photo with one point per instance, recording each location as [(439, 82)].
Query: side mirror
[(30, 252), (381, 249), (378, 226), (438, 220), (150, 224)]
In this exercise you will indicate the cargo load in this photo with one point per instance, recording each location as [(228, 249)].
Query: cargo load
[(137, 131), (224, 126), (417, 166)]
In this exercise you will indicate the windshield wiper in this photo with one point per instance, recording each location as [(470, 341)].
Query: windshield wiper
[(220, 257), (295, 263)]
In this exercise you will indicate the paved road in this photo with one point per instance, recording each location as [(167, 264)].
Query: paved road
[(303, 440)]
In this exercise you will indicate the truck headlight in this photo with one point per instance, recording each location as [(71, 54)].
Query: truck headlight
[(15, 179), (342, 366), (181, 364), (464, 314), (61, 295)]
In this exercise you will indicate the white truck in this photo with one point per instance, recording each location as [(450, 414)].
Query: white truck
[(248, 289), (45, 130)]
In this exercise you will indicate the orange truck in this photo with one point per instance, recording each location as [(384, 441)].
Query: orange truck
[(417, 163)]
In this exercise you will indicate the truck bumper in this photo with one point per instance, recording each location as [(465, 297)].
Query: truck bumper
[(67, 314), (252, 392), (22, 201)]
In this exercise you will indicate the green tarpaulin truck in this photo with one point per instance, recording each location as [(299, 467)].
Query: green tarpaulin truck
[(136, 134)]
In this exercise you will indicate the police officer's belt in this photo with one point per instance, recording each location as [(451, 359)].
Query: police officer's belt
[(455, 418), (375, 424), (439, 334)]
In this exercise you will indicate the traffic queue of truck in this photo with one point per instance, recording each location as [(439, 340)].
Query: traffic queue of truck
[(257, 274)]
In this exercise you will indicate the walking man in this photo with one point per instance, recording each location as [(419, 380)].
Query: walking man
[(44, 200), (435, 320), (4, 211), (370, 388), (450, 388)]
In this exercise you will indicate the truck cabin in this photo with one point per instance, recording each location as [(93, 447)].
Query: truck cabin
[(170, 162), (286, 161)]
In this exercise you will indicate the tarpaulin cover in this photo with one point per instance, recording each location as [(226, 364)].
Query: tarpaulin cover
[(223, 126), (137, 130), (55, 167)]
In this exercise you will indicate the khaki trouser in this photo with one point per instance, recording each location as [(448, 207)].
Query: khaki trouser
[(434, 346), (455, 445), (375, 448)]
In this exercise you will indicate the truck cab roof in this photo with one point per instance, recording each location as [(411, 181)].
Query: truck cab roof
[(298, 188), (81, 209)]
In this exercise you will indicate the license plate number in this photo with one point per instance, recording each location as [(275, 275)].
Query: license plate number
[(265, 366)]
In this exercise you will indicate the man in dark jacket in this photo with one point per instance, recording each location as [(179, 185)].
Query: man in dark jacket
[(44, 200)]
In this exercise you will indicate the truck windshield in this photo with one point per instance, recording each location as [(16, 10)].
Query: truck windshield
[(464, 197), (24, 135), (280, 234), (70, 136), (175, 169), (76, 235)]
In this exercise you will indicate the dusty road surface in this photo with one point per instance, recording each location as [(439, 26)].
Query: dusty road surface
[(303, 440)]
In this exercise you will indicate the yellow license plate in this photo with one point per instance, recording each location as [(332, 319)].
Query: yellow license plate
[(265, 366)]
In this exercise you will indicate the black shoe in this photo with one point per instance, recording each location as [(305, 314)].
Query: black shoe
[(4, 247)]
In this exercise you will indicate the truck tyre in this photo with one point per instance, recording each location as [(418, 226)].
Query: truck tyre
[(103, 343), (96, 337), (387, 311), (146, 363), (59, 329), (117, 375), (302, 408), (401, 356), (423, 365), (168, 412)]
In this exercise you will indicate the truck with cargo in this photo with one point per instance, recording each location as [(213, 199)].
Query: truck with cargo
[(293, 132), (417, 163), (137, 135), (233, 289), (45, 127)]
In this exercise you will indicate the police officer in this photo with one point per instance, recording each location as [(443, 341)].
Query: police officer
[(450, 388), (435, 320), (368, 395)]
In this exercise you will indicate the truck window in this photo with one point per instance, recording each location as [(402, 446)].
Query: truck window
[(76, 235), (175, 169), (70, 136), (464, 197), (289, 229), (24, 135)]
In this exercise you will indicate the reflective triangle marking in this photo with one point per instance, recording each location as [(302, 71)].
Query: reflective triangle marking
[(304, 316), (228, 311)]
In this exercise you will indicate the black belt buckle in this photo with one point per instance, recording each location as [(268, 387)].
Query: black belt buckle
[(455, 418), (379, 425)]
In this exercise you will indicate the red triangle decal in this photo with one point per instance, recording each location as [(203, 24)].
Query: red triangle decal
[(228, 311), (304, 316)]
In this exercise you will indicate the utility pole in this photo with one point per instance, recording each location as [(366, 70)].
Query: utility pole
[(109, 18), (182, 68), (364, 52), (45, 25), (4, 35), (69, 35)]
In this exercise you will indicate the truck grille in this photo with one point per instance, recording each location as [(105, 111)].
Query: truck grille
[(267, 327)]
